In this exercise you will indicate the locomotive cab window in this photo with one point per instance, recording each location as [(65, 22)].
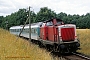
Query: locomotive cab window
[(59, 22), (49, 23)]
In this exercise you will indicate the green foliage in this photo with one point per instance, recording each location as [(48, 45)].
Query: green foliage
[(45, 14), (1, 20), (19, 18)]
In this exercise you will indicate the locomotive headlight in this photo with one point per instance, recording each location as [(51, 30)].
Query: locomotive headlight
[(75, 40), (77, 44)]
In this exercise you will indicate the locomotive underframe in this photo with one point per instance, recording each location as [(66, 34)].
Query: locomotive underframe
[(69, 47), (64, 47)]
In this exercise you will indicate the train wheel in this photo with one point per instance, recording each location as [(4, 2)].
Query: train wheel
[(55, 48), (48, 47), (40, 45)]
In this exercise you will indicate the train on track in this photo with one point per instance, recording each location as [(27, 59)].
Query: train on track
[(53, 34)]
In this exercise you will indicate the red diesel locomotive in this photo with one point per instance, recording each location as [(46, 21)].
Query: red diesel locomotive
[(56, 35)]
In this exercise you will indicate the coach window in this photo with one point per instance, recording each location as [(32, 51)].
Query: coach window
[(35, 30), (14, 30), (20, 29), (10, 30), (17, 30), (26, 30), (32, 30)]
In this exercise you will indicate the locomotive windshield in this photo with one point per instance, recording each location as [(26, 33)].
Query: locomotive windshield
[(49, 23), (59, 22)]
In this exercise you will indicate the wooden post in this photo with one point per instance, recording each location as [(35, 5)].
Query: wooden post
[(29, 25)]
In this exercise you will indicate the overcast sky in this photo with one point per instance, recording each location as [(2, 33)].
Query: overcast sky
[(67, 6)]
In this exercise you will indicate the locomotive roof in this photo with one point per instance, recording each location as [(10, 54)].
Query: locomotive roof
[(52, 20)]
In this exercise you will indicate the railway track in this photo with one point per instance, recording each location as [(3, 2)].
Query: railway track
[(77, 56), (72, 56)]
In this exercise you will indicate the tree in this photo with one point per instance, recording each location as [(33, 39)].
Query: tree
[(45, 14), (61, 15), (1, 20), (33, 17), (19, 18)]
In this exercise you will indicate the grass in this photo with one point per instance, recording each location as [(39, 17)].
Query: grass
[(84, 37), (12, 49)]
